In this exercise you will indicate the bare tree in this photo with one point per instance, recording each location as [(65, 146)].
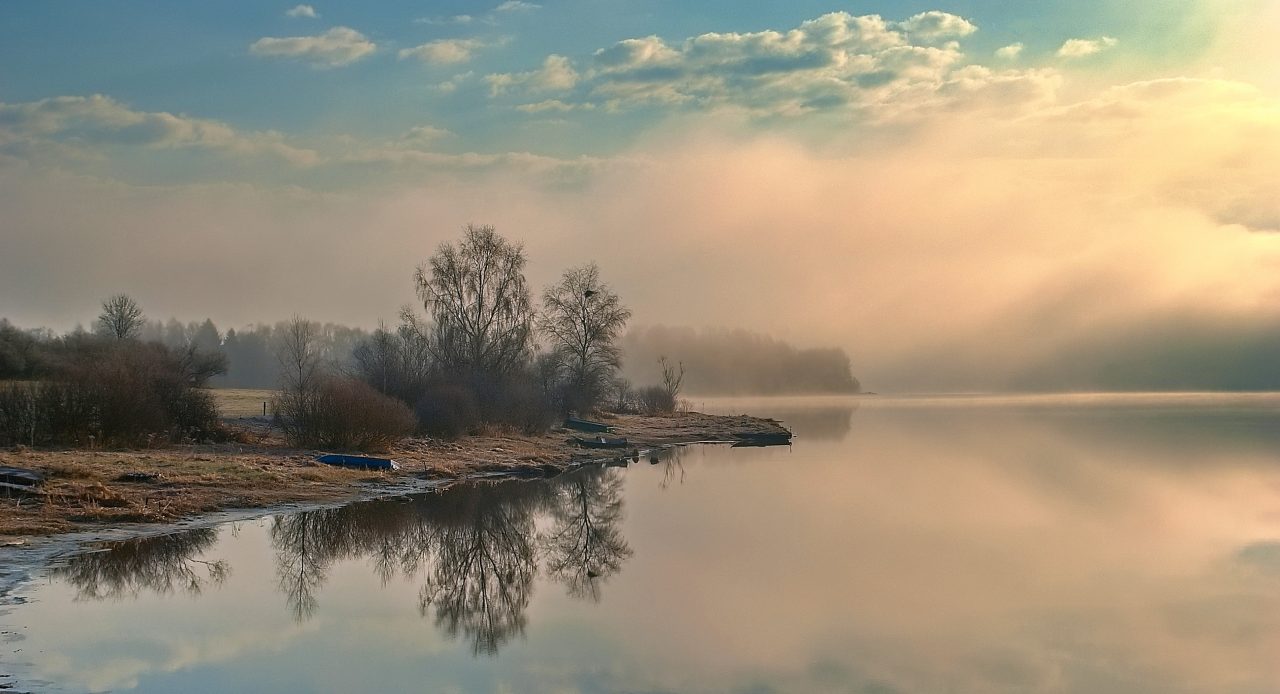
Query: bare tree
[(672, 378), (121, 317), (476, 294), (583, 319), (298, 351)]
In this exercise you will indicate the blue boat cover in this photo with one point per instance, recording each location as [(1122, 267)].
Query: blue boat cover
[(361, 461)]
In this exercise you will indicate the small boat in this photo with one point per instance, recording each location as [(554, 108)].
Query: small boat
[(749, 443), (586, 425), (21, 477), (600, 442), (360, 461), (763, 438)]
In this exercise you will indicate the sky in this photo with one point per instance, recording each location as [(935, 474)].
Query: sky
[(970, 195)]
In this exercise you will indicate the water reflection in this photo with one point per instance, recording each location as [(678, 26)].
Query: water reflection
[(973, 549), (585, 545), (163, 564), (477, 547)]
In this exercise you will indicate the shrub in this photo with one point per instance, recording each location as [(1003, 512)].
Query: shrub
[(344, 414), (655, 400), (448, 410), (622, 397), (113, 393), (522, 405)]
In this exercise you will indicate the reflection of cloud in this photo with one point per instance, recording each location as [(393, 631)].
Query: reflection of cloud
[(101, 671)]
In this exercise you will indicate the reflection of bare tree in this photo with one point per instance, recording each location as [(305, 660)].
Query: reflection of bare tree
[(161, 564), (482, 578), (585, 543), (477, 545), (672, 460), (299, 567)]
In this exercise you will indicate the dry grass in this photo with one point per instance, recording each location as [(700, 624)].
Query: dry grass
[(87, 488), (241, 402)]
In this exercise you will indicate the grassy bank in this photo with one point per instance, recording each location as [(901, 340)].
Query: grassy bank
[(88, 488)]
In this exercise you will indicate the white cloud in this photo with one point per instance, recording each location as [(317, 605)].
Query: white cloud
[(553, 106), (98, 121), (424, 136), (934, 25), (302, 11), (455, 19), (1079, 48), (867, 65), (516, 6), (556, 75), (335, 47), (443, 51), (451, 85), (1010, 52)]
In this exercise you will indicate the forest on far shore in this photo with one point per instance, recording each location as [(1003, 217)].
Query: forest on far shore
[(717, 361)]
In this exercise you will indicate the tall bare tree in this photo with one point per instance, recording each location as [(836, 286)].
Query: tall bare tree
[(121, 317), (476, 294), (583, 319), (298, 350)]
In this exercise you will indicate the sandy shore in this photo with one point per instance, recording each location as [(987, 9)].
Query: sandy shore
[(93, 489)]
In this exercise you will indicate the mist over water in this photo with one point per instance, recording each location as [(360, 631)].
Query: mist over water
[(1085, 543)]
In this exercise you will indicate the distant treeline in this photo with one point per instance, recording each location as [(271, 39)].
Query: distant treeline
[(736, 362), (250, 351), (717, 361)]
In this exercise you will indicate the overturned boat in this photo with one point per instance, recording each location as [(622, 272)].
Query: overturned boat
[(763, 438), (579, 424), (358, 461), (599, 442)]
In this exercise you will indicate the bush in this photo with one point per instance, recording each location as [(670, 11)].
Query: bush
[(448, 410), (344, 414), (523, 405), (113, 393), (655, 400)]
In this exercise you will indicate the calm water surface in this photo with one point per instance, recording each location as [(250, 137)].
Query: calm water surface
[(1073, 544)]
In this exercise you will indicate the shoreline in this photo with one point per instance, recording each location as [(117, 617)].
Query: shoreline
[(91, 492)]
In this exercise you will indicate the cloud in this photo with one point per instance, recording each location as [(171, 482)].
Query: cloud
[(455, 19), (934, 25), (334, 48), (980, 252), (1079, 48), (516, 6), (451, 85), (553, 105), (302, 11), (556, 75), (424, 135), (867, 66), (1010, 52), (443, 51), (97, 120)]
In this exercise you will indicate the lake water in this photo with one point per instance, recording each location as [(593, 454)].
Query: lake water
[(930, 545)]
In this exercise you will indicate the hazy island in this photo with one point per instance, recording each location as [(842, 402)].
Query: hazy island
[(120, 424)]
